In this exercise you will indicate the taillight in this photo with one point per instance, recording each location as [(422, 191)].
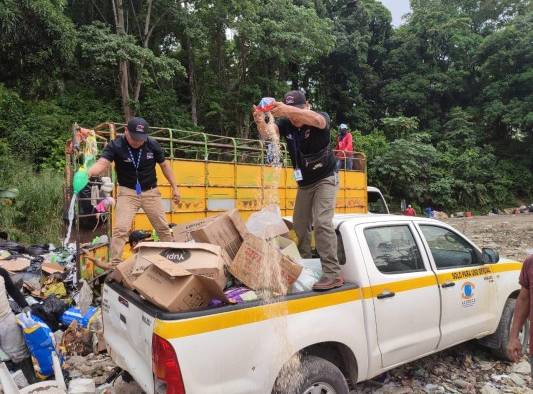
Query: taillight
[(166, 368)]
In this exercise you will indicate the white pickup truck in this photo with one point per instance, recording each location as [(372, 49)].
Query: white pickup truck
[(414, 287)]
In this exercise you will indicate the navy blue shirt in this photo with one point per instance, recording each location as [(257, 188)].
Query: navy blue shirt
[(151, 153)]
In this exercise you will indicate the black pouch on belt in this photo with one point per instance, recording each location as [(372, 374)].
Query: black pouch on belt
[(314, 161)]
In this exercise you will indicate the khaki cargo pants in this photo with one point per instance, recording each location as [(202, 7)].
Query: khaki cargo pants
[(314, 209), (128, 203)]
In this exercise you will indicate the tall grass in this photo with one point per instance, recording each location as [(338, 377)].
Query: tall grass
[(35, 216)]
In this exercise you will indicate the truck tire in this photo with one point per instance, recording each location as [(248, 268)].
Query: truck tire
[(314, 375), (504, 330)]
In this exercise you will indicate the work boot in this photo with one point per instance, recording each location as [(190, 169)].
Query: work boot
[(328, 283), (26, 366)]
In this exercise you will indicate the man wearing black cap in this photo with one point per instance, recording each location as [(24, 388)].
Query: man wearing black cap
[(135, 155), (308, 137)]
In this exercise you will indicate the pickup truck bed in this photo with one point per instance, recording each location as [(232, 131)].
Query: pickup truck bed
[(129, 333)]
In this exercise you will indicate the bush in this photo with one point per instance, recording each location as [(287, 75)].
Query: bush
[(35, 216)]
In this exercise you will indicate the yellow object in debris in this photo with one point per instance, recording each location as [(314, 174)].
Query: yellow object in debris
[(57, 288)]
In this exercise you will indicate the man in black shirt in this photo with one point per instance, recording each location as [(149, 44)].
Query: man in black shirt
[(307, 134), (135, 155)]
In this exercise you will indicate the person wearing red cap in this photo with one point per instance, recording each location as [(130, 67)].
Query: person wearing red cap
[(135, 155), (307, 134)]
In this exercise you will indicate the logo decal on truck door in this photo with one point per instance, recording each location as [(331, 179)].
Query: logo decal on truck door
[(467, 294)]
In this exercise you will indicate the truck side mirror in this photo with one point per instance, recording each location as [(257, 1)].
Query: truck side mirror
[(489, 256)]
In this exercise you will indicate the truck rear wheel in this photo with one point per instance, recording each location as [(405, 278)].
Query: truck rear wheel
[(315, 375), (504, 329)]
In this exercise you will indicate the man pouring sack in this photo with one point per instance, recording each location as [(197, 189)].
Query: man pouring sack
[(307, 134)]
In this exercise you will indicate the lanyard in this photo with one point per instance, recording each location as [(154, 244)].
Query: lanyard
[(138, 189), (296, 143), (136, 162)]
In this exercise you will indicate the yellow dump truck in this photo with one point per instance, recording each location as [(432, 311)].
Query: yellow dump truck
[(216, 173)]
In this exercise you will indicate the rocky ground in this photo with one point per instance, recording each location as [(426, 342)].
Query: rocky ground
[(468, 368)]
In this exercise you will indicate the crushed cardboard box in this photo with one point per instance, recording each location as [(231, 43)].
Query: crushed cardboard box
[(15, 265), (52, 268), (226, 230), (182, 232), (261, 266), (175, 289), (197, 258), (123, 272)]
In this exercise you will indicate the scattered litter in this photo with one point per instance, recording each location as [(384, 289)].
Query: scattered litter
[(15, 265)]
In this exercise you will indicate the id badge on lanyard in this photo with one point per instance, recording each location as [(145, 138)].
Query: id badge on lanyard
[(297, 173), (136, 163)]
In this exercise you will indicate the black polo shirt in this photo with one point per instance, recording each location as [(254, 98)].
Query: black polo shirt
[(309, 149), (151, 153)]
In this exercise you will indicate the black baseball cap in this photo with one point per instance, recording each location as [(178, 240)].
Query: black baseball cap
[(138, 128), (295, 98)]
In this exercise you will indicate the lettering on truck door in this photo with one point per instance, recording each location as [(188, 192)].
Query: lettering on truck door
[(467, 285), (404, 291)]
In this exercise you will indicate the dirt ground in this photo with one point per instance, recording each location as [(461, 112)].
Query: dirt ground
[(469, 368)]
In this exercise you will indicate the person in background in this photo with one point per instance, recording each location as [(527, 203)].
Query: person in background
[(307, 134), (410, 211), (522, 311), (135, 155), (344, 148), (11, 337)]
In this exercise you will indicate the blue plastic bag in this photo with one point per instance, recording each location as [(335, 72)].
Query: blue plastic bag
[(40, 341), (73, 313)]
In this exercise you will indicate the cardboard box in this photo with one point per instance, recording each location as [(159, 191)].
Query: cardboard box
[(226, 230), (124, 272), (197, 258), (287, 248), (175, 289), (259, 265), (182, 231)]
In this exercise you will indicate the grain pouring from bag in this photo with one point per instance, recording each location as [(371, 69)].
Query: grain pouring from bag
[(272, 275)]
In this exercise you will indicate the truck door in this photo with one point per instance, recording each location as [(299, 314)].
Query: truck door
[(404, 291), (466, 284)]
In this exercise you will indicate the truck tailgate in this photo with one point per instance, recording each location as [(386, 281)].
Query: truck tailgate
[(128, 334)]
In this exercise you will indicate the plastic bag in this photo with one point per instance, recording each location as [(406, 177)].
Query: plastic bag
[(267, 223), (50, 311), (73, 313), (85, 297), (41, 343), (310, 274)]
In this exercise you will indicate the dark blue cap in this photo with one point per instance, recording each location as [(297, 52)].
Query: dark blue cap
[(138, 128)]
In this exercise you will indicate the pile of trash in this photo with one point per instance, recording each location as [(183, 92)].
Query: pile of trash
[(62, 319), (218, 261), (467, 368)]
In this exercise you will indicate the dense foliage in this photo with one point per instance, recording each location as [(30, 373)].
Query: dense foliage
[(442, 105)]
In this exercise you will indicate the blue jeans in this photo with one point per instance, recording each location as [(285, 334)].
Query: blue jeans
[(344, 164)]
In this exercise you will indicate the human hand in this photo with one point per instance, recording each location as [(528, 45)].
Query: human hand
[(26, 310), (259, 116), (281, 110), (176, 196), (514, 349)]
